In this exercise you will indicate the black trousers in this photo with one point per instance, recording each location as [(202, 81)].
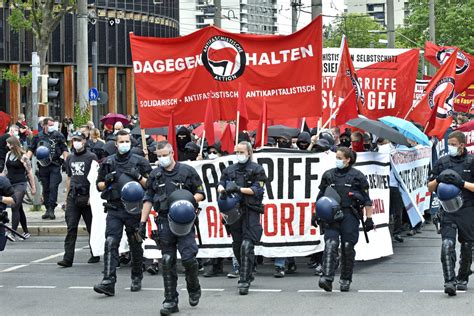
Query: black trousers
[(73, 215), (50, 178)]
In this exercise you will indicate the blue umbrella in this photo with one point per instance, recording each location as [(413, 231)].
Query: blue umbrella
[(408, 129)]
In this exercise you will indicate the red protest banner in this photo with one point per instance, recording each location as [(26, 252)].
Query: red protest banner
[(180, 74), (465, 101)]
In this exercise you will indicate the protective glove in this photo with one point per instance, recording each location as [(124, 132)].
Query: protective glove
[(314, 221), (369, 224), (134, 173), (450, 177), (142, 230), (232, 187), (63, 166), (223, 195), (110, 178)]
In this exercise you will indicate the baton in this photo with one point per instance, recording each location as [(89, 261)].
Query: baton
[(365, 230)]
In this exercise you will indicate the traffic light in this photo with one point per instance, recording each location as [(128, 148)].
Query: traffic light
[(49, 88)]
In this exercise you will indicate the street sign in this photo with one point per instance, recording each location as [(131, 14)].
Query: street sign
[(93, 103), (93, 94)]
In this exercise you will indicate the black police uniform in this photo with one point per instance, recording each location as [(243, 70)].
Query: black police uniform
[(461, 221), (344, 181), (114, 167), (6, 189), (160, 185), (246, 231), (50, 176), (78, 165)]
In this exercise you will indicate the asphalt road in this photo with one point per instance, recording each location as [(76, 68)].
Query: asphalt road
[(409, 282)]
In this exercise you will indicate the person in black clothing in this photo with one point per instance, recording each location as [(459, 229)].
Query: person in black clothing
[(50, 175), (114, 171), (23, 128), (13, 131), (456, 168), (183, 136), (78, 165), (18, 170), (247, 179)]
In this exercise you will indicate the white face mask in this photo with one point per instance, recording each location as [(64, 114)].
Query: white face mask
[(339, 164), (165, 161), (124, 148), (212, 156), (453, 151), (52, 128), (242, 158), (77, 145)]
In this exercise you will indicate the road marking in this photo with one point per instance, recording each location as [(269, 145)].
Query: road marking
[(380, 291), (36, 287), (265, 290), (15, 268), (80, 287), (315, 291), (49, 257), (438, 291)]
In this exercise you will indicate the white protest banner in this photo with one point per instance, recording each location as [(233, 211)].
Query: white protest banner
[(291, 191), (412, 167)]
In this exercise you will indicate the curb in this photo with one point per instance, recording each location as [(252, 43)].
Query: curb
[(55, 230)]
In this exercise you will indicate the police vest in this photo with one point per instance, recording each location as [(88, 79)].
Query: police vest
[(465, 169), (244, 177), (344, 184), (52, 142)]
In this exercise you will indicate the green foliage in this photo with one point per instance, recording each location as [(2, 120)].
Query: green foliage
[(22, 80), (81, 117), (356, 28), (453, 24), (17, 19)]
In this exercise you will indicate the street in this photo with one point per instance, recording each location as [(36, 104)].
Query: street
[(408, 282)]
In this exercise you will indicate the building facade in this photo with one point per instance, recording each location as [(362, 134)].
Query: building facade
[(115, 73), (378, 10)]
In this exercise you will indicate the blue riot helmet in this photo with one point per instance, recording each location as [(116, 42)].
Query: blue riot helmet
[(450, 197), (229, 208), (181, 212), (43, 155), (132, 194), (328, 207)]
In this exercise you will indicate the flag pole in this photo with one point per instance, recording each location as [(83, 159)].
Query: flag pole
[(327, 122), (144, 146), (202, 142), (302, 124), (263, 135), (237, 128)]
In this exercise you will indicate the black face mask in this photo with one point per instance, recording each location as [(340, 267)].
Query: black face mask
[(367, 146), (190, 155), (284, 144), (345, 143), (302, 146)]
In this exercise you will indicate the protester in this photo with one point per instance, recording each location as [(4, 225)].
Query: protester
[(183, 137), (14, 130), (24, 130), (357, 142), (18, 170), (168, 179)]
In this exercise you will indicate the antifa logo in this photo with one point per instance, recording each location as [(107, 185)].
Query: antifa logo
[(462, 62), (224, 58), (357, 86), (444, 89)]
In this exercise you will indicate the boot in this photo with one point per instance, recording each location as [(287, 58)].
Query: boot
[(51, 213), (46, 213), (347, 266), (329, 264), (247, 257), (136, 284), (107, 286), (448, 261), (136, 254), (170, 279), (191, 271), (465, 262)]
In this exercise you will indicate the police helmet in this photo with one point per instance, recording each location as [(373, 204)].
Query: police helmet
[(132, 194), (43, 154), (181, 212), (229, 208), (326, 208), (449, 197)]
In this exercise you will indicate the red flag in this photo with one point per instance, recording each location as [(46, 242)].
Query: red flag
[(437, 103), (172, 136), (227, 141), (262, 140), (347, 109), (242, 110), (209, 123), (438, 55), (346, 78)]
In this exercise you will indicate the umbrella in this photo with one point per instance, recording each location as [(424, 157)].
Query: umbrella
[(218, 129), (466, 127), (379, 129), (112, 118), (408, 129), (279, 130), (150, 131)]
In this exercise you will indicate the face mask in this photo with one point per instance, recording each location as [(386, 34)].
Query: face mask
[(212, 156), (452, 151), (242, 158), (284, 144), (367, 147), (116, 131), (77, 145), (345, 143), (52, 128), (124, 148), (190, 155), (339, 164), (165, 161), (303, 146)]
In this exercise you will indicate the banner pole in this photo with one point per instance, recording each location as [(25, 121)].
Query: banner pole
[(202, 142), (302, 124), (327, 122), (144, 147), (263, 135), (237, 128)]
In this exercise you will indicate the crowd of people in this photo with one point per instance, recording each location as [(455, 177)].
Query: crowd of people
[(64, 147)]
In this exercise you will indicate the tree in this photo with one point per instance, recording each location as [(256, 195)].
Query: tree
[(41, 17), (23, 81), (356, 27), (453, 24)]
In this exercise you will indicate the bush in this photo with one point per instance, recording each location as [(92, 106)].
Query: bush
[(81, 118)]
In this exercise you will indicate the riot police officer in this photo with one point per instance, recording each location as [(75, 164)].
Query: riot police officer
[(345, 181), (246, 178), (169, 177), (78, 165), (456, 168), (114, 173), (50, 171)]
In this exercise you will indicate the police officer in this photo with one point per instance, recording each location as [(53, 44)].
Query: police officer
[(113, 174), (345, 180), (50, 174), (7, 198), (246, 178), (78, 165), (456, 168), (163, 181)]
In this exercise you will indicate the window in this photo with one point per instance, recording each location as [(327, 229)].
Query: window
[(112, 44)]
